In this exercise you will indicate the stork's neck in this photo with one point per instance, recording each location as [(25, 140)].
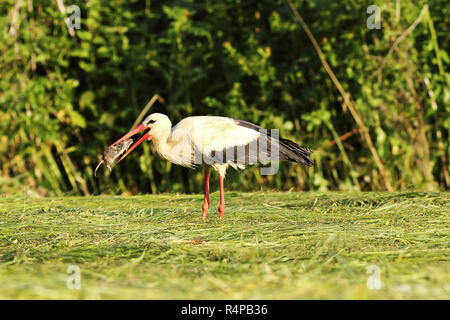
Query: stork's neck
[(160, 145)]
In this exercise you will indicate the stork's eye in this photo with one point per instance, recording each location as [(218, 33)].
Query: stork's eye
[(151, 121)]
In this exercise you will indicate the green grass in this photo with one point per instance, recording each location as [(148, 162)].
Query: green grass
[(268, 246)]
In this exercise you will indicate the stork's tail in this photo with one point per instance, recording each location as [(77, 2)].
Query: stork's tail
[(291, 151)]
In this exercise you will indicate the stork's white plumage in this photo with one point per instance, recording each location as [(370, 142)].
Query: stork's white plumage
[(214, 142)]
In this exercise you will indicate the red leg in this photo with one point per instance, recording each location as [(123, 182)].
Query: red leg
[(206, 199), (222, 198)]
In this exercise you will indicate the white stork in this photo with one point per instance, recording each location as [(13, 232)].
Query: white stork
[(214, 142)]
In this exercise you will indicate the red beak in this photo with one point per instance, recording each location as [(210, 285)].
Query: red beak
[(136, 130)]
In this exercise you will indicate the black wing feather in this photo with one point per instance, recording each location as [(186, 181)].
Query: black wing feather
[(287, 149)]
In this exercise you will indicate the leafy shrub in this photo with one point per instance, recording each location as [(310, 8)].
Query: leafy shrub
[(64, 98)]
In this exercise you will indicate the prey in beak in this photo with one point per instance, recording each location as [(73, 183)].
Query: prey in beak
[(133, 132), (112, 153)]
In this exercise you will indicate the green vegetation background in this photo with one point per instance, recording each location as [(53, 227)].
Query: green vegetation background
[(64, 98)]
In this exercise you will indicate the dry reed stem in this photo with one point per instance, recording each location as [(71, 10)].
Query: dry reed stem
[(398, 40), (147, 107)]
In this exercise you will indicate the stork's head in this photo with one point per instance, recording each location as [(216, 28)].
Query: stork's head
[(155, 126), (159, 124)]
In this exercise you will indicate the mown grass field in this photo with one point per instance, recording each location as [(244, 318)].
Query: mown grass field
[(269, 245)]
